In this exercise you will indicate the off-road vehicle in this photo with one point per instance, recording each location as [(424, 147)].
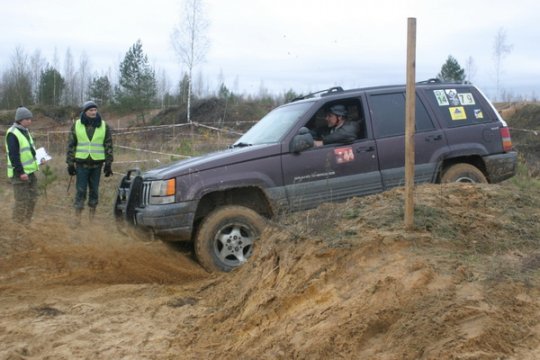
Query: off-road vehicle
[(220, 200)]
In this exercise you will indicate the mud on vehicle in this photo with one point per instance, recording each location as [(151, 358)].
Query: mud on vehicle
[(220, 201)]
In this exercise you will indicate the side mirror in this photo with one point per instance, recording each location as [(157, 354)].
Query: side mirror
[(301, 141)]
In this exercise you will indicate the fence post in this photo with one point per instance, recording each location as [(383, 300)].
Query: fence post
[(410, 124)]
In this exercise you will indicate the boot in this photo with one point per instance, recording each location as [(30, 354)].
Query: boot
[(91, 214)]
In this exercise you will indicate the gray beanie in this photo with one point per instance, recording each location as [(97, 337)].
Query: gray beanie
[(22, 113), (88, 105)]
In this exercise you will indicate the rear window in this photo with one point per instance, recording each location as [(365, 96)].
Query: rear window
[(459, 107)]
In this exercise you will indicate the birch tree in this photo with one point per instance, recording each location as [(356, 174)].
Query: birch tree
[(470, 69), (17, 81), (37, 65), (69, 79), (84, 71), (189, 41), (500, 49)]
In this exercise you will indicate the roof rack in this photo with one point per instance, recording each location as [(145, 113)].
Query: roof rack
[(325, 92), (430, 81), (439, 81)]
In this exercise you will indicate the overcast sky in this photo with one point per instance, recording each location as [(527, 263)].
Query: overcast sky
[(280, 45)]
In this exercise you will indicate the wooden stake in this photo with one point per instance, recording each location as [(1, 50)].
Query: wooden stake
[(410, 124)]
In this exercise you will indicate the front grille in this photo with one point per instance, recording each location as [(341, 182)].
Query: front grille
[(145, 198)]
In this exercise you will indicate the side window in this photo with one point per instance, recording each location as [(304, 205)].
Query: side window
[(388, 113), (355, 113), (460, 106)]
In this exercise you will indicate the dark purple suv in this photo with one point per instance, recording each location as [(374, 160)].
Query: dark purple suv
[(220, 200)]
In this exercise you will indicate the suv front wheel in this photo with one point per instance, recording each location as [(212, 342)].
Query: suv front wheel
[(463, 172), (226, 237)]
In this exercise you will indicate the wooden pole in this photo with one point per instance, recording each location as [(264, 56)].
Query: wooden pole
[(410, 124)]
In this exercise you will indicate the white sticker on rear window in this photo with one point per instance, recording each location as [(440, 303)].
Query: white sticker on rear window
[(442, 100), (452, 97), (466, 99), (478, 114)]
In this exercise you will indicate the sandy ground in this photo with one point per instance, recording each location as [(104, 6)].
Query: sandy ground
[(464, 285)]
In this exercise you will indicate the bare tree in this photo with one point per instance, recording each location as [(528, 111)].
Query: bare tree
[(84, 75), (37, 65), (500, 49), (55, 66), (163, 87), (236, 85), (199, 85), (70, 79), (189, 40), (21, 77), (470, 69)]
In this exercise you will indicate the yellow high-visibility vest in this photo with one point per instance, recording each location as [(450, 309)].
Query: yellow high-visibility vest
[(86, 147), (28, 160)]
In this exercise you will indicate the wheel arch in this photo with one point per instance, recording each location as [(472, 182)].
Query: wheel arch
[(474, 160), (252, 197)]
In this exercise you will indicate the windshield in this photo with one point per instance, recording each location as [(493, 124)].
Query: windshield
[(274, 126)]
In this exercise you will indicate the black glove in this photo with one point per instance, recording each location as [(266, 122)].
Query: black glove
[(71, 169), (107, 170)]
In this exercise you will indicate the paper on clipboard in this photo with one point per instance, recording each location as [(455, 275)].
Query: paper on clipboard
[(41, 155)]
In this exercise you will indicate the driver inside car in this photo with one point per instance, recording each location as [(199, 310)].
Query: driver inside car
[(338, 130)]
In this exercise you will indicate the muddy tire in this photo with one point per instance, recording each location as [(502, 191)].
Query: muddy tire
[(226, 238), (465, 173)]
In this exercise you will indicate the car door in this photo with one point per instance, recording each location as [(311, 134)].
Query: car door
[(332, 172), (387, 113)]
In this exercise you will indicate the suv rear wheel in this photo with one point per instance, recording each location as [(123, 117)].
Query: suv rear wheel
[(466, 173), (226, 237)]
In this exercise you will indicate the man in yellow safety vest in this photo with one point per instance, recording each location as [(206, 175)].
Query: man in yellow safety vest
[(22, 165), (90, 148)]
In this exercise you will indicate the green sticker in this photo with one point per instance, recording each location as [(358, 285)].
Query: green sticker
[(442, 100)]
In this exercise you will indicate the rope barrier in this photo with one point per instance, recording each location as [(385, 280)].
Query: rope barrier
[(141, 129), (137, 161), (153, 152), (535, 132)]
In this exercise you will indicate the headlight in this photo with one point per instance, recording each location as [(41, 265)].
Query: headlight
[(163, 192)]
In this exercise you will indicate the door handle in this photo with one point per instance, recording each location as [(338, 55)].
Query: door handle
[(430, 138), (365, 149)]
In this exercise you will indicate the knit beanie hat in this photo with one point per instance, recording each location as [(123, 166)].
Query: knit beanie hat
[(88, 105), (22, 113)]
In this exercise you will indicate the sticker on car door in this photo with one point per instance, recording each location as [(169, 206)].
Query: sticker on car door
[(344, 154)]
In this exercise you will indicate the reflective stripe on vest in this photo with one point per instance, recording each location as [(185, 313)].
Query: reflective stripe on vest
[(28, 161), (86, 147)]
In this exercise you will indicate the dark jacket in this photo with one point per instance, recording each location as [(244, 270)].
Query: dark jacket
[(346, 133), (90, 125)]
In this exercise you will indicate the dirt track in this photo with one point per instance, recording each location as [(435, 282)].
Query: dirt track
[(464, 286)]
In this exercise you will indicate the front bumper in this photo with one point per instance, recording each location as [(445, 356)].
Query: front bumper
[(172, 221)]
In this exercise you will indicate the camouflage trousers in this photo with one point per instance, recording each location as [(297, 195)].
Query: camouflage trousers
[(26, 194)]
